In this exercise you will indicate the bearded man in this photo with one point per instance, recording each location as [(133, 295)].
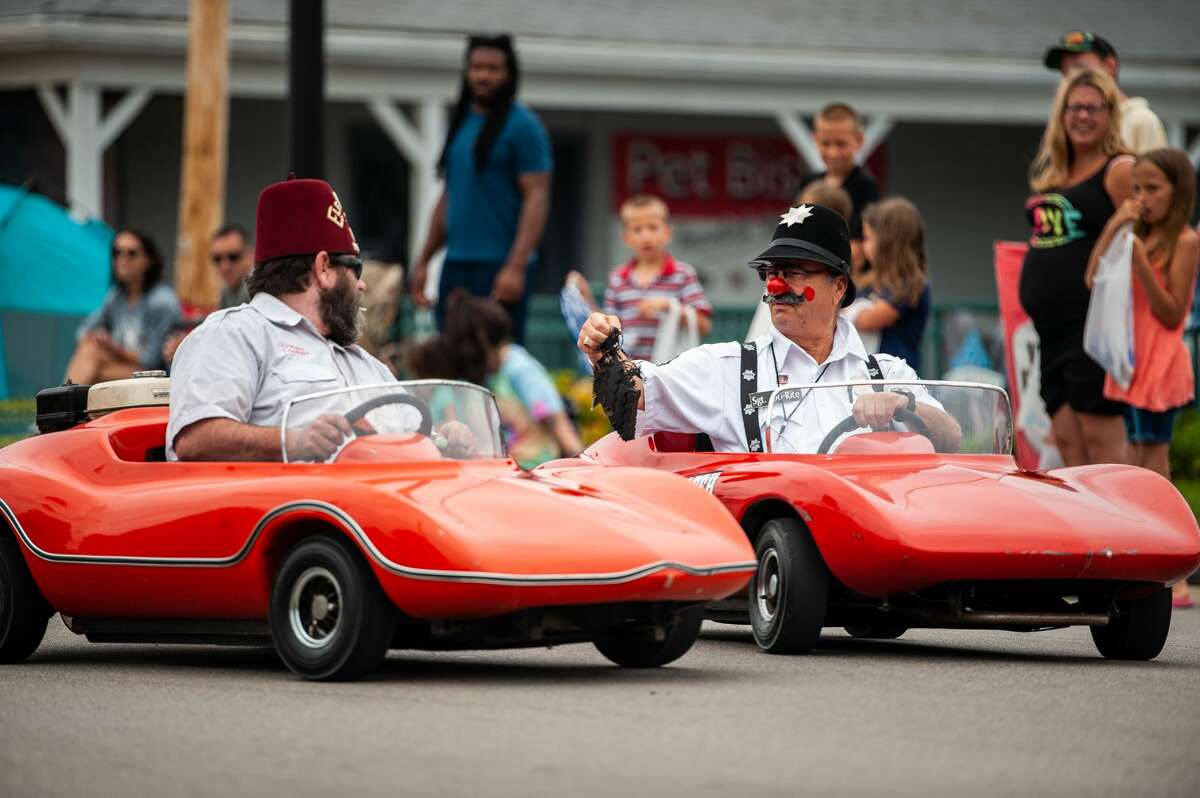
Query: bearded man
[(234, 375)]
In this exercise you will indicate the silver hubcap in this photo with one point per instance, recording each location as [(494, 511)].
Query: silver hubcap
[(315, 607), (767, 584)]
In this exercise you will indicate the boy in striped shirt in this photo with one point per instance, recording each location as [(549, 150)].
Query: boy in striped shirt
[(643, 289)]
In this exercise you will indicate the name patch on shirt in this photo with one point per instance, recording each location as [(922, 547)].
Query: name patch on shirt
[(294, 349)]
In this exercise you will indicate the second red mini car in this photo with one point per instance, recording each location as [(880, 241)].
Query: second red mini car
[(880, 531)]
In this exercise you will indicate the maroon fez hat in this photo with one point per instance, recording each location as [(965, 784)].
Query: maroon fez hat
[(301, 217)]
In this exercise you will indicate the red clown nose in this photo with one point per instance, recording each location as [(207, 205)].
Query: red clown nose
[(776, 286)]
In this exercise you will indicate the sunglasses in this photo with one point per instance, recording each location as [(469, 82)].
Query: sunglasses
[(232, 257), (350, 262), (129, 253), (790, 273)]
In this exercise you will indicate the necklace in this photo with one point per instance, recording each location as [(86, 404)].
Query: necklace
[(792, 412)]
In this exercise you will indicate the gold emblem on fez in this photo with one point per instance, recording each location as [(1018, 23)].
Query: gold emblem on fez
[(335, 213)]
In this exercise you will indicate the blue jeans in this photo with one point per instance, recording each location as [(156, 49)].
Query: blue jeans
[(477, 277), (1147, 426)]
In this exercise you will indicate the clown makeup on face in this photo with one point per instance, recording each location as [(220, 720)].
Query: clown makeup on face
[(821, 289)]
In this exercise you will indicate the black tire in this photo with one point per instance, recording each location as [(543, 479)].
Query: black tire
[(640, 649), (330, 620), (23, 611), (788, 612), (1139, 630), (876, 631)]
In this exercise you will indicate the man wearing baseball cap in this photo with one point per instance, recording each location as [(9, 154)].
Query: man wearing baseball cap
[(1141, 129), (234, 374), (715, 388)]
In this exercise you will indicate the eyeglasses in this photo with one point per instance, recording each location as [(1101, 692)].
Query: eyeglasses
[(129, 253), (350, 262), (232, 257), (790, 273), (1090, 110)]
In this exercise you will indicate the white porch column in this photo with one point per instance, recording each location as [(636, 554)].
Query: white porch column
[(877, 131), (801, 136), (85, 136), (1176, 133), (421, 144)]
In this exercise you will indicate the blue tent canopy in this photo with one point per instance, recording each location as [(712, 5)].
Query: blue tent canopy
[(49, 263)]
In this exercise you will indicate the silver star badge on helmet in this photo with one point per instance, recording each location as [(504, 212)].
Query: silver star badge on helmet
[(796, 215)]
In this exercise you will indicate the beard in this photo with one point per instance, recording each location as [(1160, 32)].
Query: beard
[(340, 311)]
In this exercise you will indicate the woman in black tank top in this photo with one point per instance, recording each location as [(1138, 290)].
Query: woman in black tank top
[(1080, 176)]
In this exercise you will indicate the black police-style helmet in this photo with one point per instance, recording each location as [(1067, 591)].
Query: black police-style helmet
[(815, 233)]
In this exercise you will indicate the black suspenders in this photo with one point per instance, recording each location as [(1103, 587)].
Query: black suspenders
[(874, 372), (753, 400), (748, 379)]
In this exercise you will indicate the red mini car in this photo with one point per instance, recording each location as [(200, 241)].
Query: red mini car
[(397, 542), (882, 530)]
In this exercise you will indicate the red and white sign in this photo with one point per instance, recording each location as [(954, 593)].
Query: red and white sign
[(708, 175), (1022, 353)]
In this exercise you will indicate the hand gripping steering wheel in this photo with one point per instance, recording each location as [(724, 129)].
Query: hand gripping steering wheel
[(906, 417), (426, 426)]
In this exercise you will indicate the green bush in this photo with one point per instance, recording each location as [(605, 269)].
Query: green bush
[(1185, 447)]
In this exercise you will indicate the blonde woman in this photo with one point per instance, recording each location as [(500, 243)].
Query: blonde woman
[(894, 243), (1080, 176)]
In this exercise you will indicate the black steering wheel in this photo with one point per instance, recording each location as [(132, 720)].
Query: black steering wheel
[(426, 426), (905, 416)]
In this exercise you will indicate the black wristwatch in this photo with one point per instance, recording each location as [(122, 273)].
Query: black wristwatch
[(912, 400)]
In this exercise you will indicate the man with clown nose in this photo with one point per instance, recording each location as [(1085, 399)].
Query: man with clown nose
[(716, 389)]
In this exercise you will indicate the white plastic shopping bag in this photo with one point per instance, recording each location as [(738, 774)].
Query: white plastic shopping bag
[(1108, 331), (674, 337)]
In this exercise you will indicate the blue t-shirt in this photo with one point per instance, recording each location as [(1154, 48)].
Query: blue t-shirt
[(484, 205), (903, 339)]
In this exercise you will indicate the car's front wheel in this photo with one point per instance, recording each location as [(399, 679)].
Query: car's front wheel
[(329, 618), (1139, 628), (789, 590), (650, 648), (23, 611)]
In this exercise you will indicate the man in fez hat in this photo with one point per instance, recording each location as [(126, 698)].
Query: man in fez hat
[(717, 389), (235, 373)]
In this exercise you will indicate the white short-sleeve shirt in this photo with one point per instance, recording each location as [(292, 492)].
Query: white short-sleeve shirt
[(700, 391), (245, 363)]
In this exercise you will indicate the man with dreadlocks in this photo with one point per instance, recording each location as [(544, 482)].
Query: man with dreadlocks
[(496, 163)]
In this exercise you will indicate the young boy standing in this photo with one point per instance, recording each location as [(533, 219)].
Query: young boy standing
[(640, 291), (839, 136)]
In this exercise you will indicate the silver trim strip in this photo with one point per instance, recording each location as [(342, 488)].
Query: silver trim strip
[(476, 577)]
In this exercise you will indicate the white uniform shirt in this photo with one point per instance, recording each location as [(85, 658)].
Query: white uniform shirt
[(246, 362), (700, 391)]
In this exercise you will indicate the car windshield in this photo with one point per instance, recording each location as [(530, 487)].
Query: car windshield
[(905, 417), (401, 421)]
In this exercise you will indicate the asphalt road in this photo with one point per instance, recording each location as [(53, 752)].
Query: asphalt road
[(934, 713)]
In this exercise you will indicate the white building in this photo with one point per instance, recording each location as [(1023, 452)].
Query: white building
[(954, 94)]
